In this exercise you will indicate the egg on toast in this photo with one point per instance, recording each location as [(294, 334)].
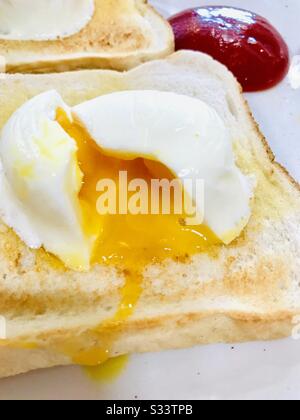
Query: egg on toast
[(241, 291)]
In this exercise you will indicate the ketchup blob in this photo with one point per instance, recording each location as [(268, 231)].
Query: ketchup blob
[(245, 42)]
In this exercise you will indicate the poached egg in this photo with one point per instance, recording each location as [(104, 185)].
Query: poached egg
[(52, 156)]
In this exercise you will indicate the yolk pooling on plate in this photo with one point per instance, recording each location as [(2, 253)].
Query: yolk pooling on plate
[(107, 371)]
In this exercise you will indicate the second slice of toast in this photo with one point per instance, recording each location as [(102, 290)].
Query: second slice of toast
[(120, 35)]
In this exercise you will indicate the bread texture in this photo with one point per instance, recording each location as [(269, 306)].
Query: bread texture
[(120, 35), (247, 291)]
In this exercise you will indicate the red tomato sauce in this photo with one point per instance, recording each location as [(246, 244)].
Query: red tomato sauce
[(245, 42)]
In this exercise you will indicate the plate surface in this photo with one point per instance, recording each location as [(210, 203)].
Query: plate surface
[(248, 371)]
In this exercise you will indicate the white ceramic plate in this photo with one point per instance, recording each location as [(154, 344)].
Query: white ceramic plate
[(248, 371)]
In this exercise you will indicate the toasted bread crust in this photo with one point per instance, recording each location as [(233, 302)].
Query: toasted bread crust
[(268, 149), (181, 332)]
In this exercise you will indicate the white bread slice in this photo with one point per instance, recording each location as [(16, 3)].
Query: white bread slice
[(249, 290), (120, 35)]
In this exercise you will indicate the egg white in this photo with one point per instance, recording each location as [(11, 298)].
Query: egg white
[(40, 181)]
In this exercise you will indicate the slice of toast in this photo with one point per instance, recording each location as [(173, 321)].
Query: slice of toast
[(120, 35), (249, 290)]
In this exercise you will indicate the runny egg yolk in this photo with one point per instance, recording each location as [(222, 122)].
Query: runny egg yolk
[(128, 241)]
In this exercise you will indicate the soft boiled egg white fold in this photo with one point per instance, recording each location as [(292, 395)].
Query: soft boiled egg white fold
[(40, 180), (45, 161)]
